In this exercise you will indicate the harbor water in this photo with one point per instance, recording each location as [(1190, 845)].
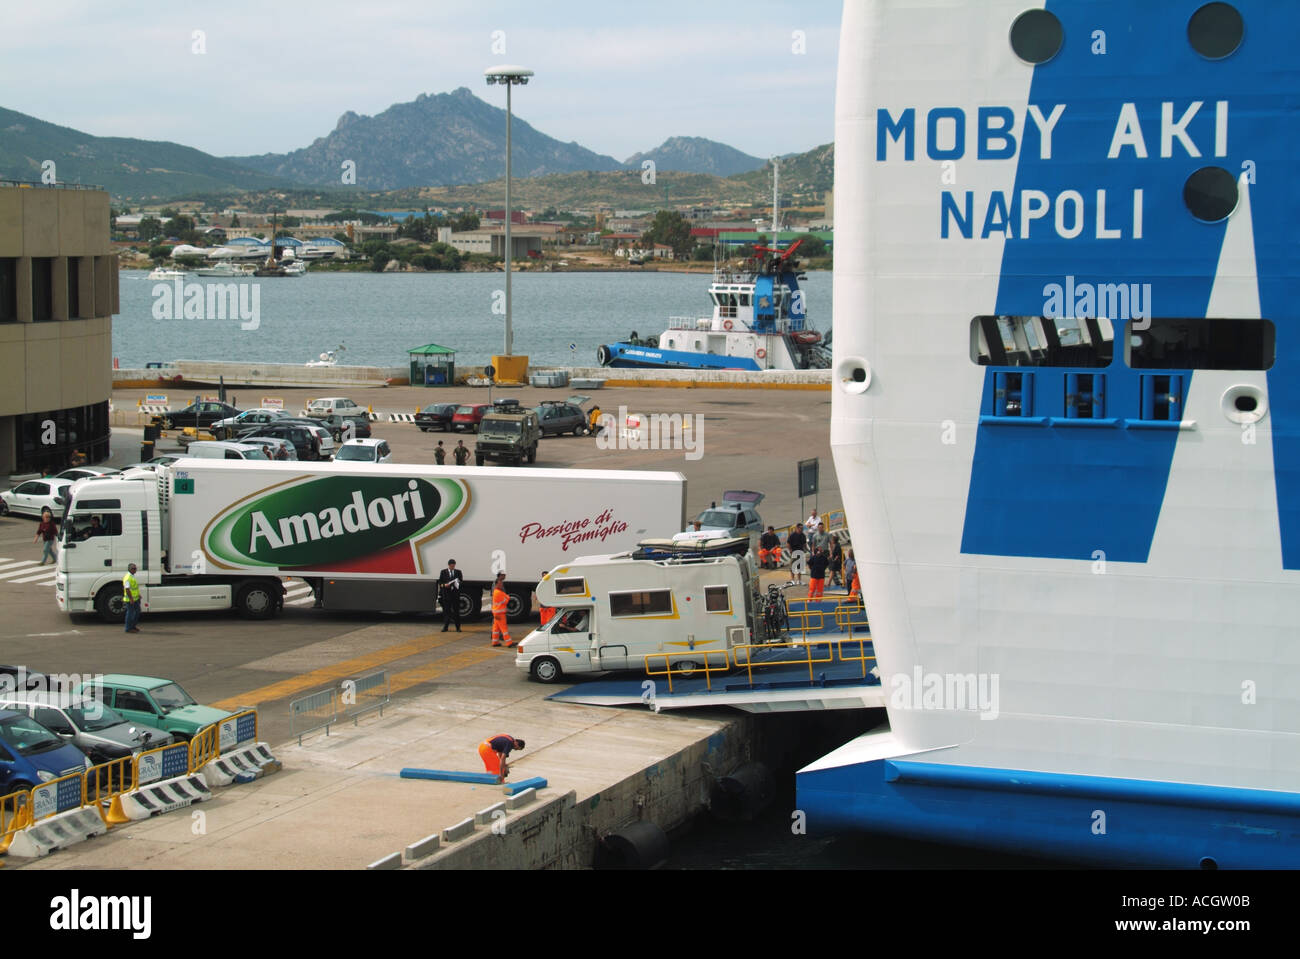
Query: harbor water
[(559, 319)]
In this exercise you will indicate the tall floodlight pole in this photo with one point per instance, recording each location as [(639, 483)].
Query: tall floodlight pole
[(510, 76)]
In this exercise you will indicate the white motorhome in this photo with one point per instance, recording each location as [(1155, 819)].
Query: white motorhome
[(611, 611), (209, 534)]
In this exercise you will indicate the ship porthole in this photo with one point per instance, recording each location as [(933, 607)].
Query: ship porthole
[(1209, 863), (1037, 36), (1215, 30), (1244, 404), (854, 375)]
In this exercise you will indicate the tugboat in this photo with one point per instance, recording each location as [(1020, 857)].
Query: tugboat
[(758, 323)]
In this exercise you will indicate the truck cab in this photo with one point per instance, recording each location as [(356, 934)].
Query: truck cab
[(612, 611)]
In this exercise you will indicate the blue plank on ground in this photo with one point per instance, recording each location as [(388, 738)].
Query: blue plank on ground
[(450, 776), (773, 670), (537, 782)]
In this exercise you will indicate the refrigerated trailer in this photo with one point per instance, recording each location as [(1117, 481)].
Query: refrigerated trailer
[(213, 534)]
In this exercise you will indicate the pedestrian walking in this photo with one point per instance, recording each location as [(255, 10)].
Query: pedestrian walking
[(851, 575), (821, 540), (500, 603), (131, 596), (494, 751), (817, 564), (440, 454), (461, 452), (47, 532), (837, 562), (450, 581)]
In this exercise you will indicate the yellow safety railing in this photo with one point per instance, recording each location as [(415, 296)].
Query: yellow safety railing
[(106, 783), (700, 664), (845, 612), (15, 814), (862, 656), (807, 656), (204, 747), (805, 616)]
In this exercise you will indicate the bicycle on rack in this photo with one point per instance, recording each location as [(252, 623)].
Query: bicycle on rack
[(776, 615)]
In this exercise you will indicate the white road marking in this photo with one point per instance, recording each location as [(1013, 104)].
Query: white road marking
[(42, 577), (27, 568), (11, 564)]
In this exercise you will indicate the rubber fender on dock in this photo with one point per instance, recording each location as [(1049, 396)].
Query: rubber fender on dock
[(641, 845), (743, 794)]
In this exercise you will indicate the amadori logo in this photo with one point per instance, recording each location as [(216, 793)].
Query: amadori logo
[(333, 520), (77, 913)]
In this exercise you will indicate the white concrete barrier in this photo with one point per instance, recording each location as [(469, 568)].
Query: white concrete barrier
[(391, 861), (459, 831), (484, 816), (241, 765), (57, 832), (423, 847), (519, 800), (160, 797)]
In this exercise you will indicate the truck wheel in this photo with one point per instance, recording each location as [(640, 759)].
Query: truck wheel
[(519, 606), (546, 669), (471, 604), (109, 604), (257, 600), (478, 459)]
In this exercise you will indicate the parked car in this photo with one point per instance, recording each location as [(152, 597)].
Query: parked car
[(436, 416), (737, 516), (153, 701), (311, 442), (201, 415), (333, 404), (20, 678), (338, 424), (560, 417), (86, 472), (97, 730), (224, 449), (225, 429), (30, 754), (469, 416), (364, 451), (35, 495)]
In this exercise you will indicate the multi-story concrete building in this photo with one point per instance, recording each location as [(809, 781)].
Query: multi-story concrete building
[(58, 294)]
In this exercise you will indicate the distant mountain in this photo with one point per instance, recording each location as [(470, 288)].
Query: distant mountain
[(124, 167), (811, 172), (697, 155), (442, 140)]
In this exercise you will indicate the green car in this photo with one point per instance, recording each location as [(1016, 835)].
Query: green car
[(154, 702)]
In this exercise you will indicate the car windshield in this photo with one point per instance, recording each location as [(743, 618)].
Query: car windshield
[(171, 696), (512, 427), (364, 453), (27, 736), (721, 519), (94, 717), (257, 454), (465, 409)]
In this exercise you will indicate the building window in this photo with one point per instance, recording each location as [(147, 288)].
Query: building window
[(8, 289), (42, 289), (650, 602), (46, 442), (74, 287)]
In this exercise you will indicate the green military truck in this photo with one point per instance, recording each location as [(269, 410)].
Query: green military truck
[(508, 436)]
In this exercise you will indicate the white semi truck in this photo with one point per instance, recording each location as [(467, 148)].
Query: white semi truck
[(611, 611), (212, 534)]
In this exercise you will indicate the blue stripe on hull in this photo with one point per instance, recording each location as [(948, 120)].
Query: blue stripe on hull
[(1112, 822), (642, 357)]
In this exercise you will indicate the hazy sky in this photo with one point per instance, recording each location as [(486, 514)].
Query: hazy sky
[(618, 77)]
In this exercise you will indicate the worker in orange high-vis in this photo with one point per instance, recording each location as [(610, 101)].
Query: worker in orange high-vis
[(547, 613), (494, 751), (500, 602)]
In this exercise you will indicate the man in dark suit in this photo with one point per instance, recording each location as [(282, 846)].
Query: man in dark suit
[(449, 583)]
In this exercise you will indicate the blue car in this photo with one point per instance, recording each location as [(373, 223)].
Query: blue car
[(30, 754)]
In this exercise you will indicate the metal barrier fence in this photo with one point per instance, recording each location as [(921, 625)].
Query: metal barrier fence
[(58, 795), (315, 711), (15, 813), (239, 728), (697, 661), (107, 781), (204, 747), (351, 699)]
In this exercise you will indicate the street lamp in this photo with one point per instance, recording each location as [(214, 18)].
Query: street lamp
[(509, 76)]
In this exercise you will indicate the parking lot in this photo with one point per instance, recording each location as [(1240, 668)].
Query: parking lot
[(738, 439)]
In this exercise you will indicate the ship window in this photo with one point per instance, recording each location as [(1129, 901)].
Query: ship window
[(744, 299), (1160, 397), (571, 587), (649, 602), (717, 599), (1201, 344), (1085, 396), (1086, 342), (1013, 394)]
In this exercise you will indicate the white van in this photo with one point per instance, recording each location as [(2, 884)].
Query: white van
[(225, 450), (613, 610)]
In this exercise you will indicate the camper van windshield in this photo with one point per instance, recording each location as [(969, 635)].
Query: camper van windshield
[(571, 621)]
